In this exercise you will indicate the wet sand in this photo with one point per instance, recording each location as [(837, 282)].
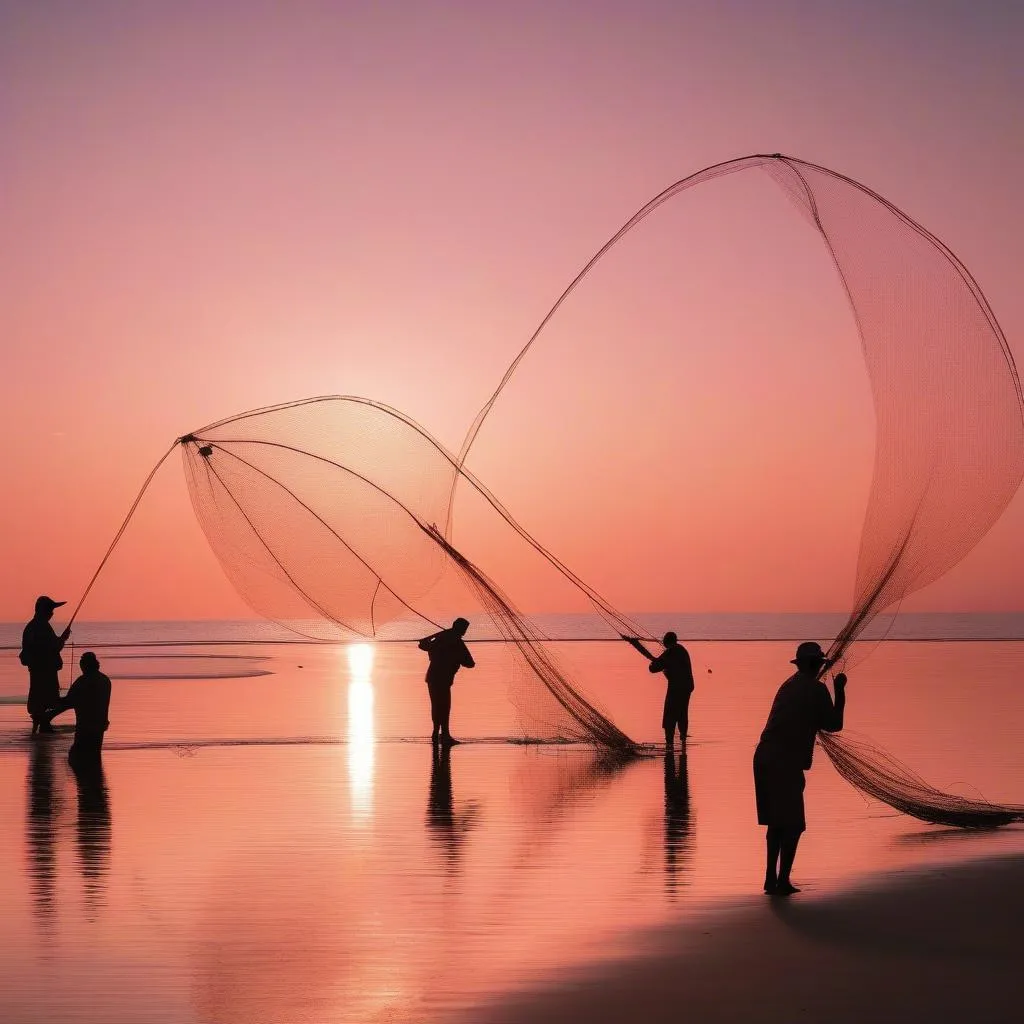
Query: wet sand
[(285, 847), (932, 946)]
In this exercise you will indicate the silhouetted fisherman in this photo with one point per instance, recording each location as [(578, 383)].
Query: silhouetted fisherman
[(40, 654), (89, 695), (802, 706), (448, 653), (674, 661)]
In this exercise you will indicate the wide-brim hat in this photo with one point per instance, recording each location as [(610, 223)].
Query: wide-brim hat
[(809, 650)]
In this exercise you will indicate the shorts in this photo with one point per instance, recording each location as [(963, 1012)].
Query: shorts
[(779, 791), (676, 712)]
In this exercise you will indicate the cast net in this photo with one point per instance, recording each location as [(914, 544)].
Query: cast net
[(949, 431), (323, 515), (878, 774), (666, 443)]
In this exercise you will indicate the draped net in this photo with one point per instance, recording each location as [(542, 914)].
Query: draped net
[(342, 517), (949, 416), (323, 514)]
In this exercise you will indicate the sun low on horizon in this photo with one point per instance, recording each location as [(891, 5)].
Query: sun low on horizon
[(238, 208), (511, 511)]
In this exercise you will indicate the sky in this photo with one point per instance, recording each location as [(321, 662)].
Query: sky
[(214, 207)]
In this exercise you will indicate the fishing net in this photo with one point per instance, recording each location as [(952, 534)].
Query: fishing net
[(660, 426), (877, 773), (949, 430), (323, 513)]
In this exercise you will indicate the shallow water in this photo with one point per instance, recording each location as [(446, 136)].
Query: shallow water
[(274, 841)]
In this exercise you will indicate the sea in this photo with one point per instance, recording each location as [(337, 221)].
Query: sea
[(273, 838)]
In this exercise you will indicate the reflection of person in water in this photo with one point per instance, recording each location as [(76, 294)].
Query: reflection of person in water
[(43, 806), (92, 827), (678, 824), (674, 662), (448, 653), (89, 695), (442, 821)]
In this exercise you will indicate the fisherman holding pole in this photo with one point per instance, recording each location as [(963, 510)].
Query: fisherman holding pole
[(40, 654)]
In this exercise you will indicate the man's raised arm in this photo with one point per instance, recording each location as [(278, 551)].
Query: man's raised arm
[(834, 719), (634, 641)]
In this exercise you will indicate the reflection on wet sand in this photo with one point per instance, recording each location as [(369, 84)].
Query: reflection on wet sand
[(547, 786), (329, 875), (45, 802), (92, 829), (295, 931), (678, 822), (43, 806), (275, 941), (445, 825)]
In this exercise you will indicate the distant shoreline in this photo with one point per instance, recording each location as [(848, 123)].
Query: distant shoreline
[(570, 628), (300, 640)]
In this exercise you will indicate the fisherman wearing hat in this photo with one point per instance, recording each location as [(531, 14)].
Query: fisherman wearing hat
[(40, 654), (801, 708)]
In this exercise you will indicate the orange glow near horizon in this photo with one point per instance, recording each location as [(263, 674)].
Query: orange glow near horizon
[(219, 210)]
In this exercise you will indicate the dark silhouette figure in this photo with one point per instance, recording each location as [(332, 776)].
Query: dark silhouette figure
[(674, 661), (678, 823), (92, 827), (89, 695), (40, 654), (447, 826), (802, 706), (448, 653), (43, 806)]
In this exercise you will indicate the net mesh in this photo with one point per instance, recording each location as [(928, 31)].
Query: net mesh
[(949, 450), (334, 516), (949, 444), (323, 514), (877, 773)]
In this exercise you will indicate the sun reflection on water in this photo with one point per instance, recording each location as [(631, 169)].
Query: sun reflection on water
[(360, 731)]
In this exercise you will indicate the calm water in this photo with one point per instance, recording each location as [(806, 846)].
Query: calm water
[(273, 841)]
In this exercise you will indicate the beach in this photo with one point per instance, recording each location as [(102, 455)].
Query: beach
[(940, 945), (273, 840), (337, 334)]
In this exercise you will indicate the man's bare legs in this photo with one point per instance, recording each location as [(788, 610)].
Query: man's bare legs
[(670, 735), (781, 850)]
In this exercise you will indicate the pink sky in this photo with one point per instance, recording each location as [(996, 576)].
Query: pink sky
[(215, 207)]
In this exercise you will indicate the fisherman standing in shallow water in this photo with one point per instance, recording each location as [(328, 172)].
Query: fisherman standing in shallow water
[(674, 661), (801, 708), (448, 653), (40, 654)]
